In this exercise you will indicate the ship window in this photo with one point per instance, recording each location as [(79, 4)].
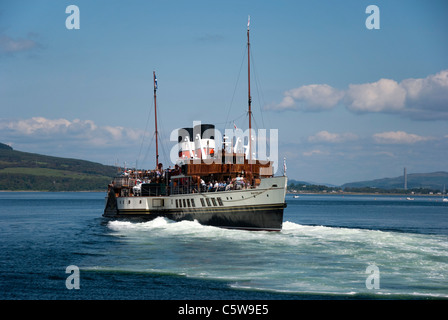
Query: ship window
[(208, 202), (188, 203), (203, 202), (214, 202), (185, 205), (192, 203), (274, 186), (140, 201), (129, 201), (220, 201), (177, 203)]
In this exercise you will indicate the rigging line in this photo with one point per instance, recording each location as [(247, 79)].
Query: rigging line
[(149, 147), (268, 139), (241, 115), (232, 120), (261, 100), (238, 123), (163, 145), (163, 139), (256, 124), (257, 80), (161, 133), (236, 86), (146, 130)]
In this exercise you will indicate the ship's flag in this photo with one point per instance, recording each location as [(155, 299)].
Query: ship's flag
[(155, 82), (234, 125), (248, 22)]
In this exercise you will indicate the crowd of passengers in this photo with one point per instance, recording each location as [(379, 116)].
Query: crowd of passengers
[(237, 183), (157, 176)]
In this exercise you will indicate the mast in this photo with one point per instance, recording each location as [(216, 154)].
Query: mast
[(249, 97), (155, 119)]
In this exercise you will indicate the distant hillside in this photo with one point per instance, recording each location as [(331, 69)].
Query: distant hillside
[(297, 182), (434, 180), (35, 172), (4, 147), (308, 183)]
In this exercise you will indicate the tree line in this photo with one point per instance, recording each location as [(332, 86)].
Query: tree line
[(312, 188)]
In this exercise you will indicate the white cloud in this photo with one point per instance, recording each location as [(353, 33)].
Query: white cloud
[(419, 99), (325, 136), (10, 45), (385, 153), (398, 137), (314, 97), (40, 128), (314, 152), (82, 139), (383, 95), (36, 125), (427, 98)]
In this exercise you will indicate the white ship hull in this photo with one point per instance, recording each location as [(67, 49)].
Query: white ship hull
[(259, 208)]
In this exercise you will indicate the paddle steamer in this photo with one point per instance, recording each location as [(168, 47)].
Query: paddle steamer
[(217, 187)]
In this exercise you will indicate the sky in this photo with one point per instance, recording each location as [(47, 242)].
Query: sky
[(350, 103)]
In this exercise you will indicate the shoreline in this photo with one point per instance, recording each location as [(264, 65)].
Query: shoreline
[(363, 194), (5, 191), (288, 193)]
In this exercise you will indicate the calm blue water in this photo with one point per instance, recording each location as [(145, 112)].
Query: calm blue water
[(322, 253)]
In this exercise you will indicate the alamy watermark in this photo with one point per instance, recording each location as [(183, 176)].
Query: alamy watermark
[(373, 278), (73, 20), (197, 147), (373, 20), (72, 281)]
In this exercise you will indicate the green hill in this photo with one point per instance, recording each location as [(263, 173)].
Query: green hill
[(34, 172), (434, 181)]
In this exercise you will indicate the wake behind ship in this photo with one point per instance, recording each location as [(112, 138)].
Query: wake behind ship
[(218, 187)]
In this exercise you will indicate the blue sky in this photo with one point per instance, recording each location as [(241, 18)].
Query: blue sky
[(349, 103)]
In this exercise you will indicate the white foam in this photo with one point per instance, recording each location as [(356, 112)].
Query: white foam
[(119, 225), (300, 258)]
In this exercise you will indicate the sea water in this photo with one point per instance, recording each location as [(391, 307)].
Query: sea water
[(327, 248)]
